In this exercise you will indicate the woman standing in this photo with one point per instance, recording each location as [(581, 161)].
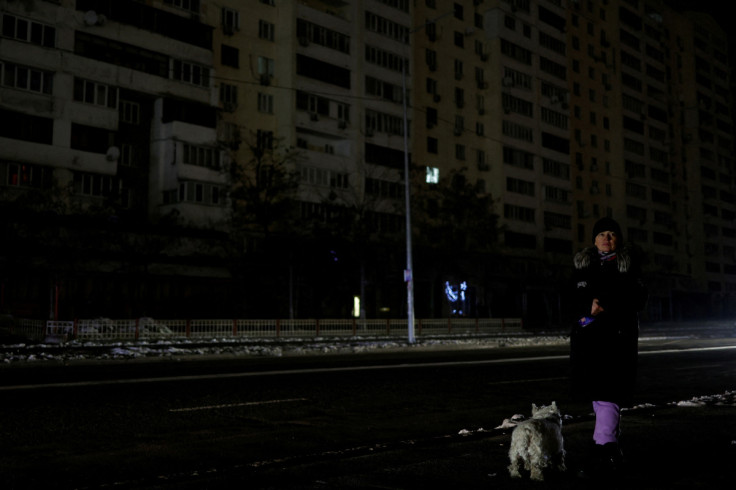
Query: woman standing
[(609, 293)]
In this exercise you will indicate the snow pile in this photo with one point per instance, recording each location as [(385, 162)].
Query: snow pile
[(726, 399), (511, 422)]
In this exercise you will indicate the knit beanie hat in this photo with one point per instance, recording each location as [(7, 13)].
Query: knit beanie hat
[(607, 224)]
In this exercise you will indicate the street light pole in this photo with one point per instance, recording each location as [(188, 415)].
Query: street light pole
[(408, 273)]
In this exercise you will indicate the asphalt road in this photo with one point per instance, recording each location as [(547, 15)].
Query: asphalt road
[(218, 423)]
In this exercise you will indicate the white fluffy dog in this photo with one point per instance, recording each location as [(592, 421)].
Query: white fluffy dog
[(537, 443)]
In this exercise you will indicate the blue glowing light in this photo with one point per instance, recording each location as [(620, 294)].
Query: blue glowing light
[(455, 294)]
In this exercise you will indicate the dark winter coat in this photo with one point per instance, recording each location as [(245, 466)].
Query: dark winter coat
[(604, 353)]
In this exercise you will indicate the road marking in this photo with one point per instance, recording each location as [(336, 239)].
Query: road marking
[(232, 405), (693, 349), (321, 370), (516, 381), (281, 372)]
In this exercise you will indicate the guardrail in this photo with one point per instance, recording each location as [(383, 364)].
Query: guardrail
[(149, 328)]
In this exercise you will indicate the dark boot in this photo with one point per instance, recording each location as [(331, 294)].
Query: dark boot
[(606, 463), (611, 458)]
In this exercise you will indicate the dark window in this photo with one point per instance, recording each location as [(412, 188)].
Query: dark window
[(132, 12), (520, 240), (657, 113), (518, 158), (26, 78), (431, 117), (229, 56), (189, 112), (264, 140), (386, 157), (551, 18), (556, 143), (28, 31), (308, 33), (323, 71), (630, 19), (90, 138), (26, 127), (121, 54), (97, 185), (634, 125), (192, 5), (556, 245)]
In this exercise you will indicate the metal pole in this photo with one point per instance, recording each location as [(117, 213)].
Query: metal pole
[(408, 273)]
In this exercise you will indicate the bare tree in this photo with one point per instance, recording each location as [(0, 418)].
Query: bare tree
[(361, 224), (263, 186), (456, 236), (453, 216), (263, 191)]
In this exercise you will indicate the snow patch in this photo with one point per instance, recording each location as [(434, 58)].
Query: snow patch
[(727, 398), (169, 348)]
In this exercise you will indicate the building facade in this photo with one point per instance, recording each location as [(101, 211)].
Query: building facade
[(252, 153), (652, 145), (109, 133), (492, 85)]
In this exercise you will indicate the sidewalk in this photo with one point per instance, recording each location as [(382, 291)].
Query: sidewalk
[(666, 448)]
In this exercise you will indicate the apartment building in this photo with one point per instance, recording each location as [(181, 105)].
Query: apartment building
[(91, 103), (491, 82), (704, 109), (165, 112), (569, 111), (348, 107), (108, 134), (652, 144), (326, 107)]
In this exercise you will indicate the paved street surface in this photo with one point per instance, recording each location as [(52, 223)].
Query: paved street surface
[(667, 448), (365, 422)]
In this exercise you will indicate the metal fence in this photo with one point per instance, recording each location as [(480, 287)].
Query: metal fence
[(30, 329), (149, 328)]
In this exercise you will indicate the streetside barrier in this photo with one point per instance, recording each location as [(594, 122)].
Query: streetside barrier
[(59, 329), (30, 329), (155, 329)]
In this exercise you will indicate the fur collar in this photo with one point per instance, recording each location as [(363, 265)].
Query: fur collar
[(588, 255)]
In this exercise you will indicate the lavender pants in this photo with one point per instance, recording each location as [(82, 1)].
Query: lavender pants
[(607, 422)]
